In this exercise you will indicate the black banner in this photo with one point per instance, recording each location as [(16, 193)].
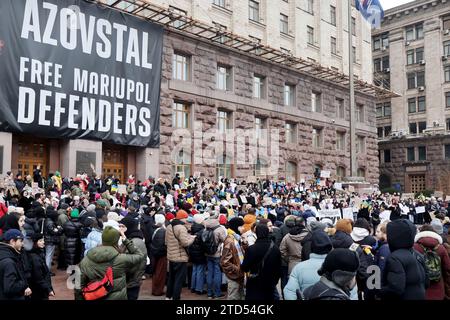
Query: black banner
[(75, 69)]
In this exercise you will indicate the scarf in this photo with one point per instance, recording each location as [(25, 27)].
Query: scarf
[(236, 239)]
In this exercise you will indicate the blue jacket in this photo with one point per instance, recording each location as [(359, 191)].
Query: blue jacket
[(94, 239), (381, 255), (303, 276)]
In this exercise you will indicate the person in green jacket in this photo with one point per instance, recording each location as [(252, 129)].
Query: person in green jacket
[(93, 266)]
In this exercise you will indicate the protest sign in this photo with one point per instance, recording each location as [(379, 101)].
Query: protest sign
[(351, 188), (406, 196), (338, 186), (420, 209), (385, 215), (122, 189), (332, 214), (347, 213), (325, 174)]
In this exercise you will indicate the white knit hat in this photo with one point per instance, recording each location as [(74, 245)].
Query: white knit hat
[(199, 218)]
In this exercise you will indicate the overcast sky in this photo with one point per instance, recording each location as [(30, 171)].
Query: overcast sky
[(387, 4)]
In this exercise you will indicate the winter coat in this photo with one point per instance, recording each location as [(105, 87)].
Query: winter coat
[(62, 217), (325, 290), (262, 287), (220, 233), (381, 255), (20, 184), (30, 227), (148, 227), (135, 273), (161, 189), (341, 240), (276, 237), (94, 239), (93, 267), (158, 247), (303, 276), (13, 280), (230, 262), (40, 281), (72, 241), (196, 252), (177, 241), (432, 241), (291, 249), (404, 276), (52, 232)]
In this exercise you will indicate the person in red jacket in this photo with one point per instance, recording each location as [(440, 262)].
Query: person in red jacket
[(428, 239)]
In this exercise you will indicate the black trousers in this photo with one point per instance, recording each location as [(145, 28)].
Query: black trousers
[(133, 293), (177, 276)]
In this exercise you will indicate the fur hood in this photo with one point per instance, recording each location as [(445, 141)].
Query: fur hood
[(428, 234)]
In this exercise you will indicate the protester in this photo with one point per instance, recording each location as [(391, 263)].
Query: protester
[(40, 281), (291, 245), (382, 251), (158, 254), (197, 256)]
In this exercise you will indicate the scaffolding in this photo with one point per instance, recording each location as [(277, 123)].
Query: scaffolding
[(175, 21)]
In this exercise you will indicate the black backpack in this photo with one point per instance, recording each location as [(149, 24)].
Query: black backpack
[(209, 242), (433, 263)]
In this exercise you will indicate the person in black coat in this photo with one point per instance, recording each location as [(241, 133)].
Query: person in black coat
[(158, 254), (40, 281), (148, 227), (72, 241), (264, 274), (404, 276), (197, 256), (25, 201), (52, 233), (13, 284), (37, 177)]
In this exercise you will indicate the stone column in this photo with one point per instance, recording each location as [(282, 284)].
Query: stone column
[(5, 152), (147, 163), (69, 152)]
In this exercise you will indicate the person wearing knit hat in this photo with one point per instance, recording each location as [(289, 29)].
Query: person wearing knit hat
[(170, 216), (114, 216), (40, 283), (181, 214), (305, 273), (223, 219), (197, 256), (232, 258), (135, 274), (199, 218), (342, 238), (338, 276), (437, 226), (93, 264), (158, 252)]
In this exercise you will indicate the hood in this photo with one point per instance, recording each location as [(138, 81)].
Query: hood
[(102, 254), (211, 223), (341, 240), (6, 251), (428, 239), (359, 234), (196, 227), (400, 234), (368, 241), (298, 237)]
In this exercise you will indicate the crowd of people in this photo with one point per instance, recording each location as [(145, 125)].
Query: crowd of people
[(264, 240)]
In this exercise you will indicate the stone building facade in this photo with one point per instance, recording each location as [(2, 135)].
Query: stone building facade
[(413, 50)]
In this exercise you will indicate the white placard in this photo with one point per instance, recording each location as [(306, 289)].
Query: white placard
[(405, 209), (338, 186), (330, 213), (325, 174), (314, 209), (420, 209), (244, 199), (122, 189), (347, 213), (385, 215), (351, 188)]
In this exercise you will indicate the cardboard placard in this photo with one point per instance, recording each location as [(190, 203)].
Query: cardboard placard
[(338, 186), (351, 188), (330, 213), (325, 174), (406, 196), (122, 189), (244, 199), (420, 209), (347, 213), (385, 215), (405, 209)]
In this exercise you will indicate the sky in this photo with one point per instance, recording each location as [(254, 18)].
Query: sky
[(387, 4)]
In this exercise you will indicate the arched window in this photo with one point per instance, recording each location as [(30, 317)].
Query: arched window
[(291, 171)]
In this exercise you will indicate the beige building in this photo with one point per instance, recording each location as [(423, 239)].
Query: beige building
[(411, 53)]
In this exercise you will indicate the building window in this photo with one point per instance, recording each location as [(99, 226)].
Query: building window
[(387, 156), (289, 95), (376, 43), (316, 102), (414, 32), (354, 54), (421, 104), (310, 6), (448, 124), (260, 126), (258, 87), (412, 105), (180, 67), (340, 114), (422, 153), (180, 115), (380, 132), (447, 152), (291, 132), (360, 113), (416, 104), (447, 73), (447, 48), (220, 3), (383, 109), (422, 126), (416, 79), (253, 10), (410, 57), (413, 128), (361, 173), (379, 110), (387, 109), (447, 99), (284, 25), (387, 131), (410, 153), (377, 65), (291, 171), (333, 15), (340, 173), (317, 137), (446, 23), (354, 26), (178, 23), (183, 164), (223, 121), (333, 45), (224, 80), (223, 167), (310, 31), (340, 141), (360, 144), (414, 56)]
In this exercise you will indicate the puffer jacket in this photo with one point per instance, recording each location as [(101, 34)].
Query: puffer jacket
[(432, 241), (220, 233), (196, 252), (52, 232), (13, 279), (325, 290), (40, 281), (177, 241), (229, 261), (135, 273), (93, 267), (30, 227), (72, 241), (341, 240), (291, 249)]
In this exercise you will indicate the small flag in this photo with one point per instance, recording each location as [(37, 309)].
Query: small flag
[(371, 10)]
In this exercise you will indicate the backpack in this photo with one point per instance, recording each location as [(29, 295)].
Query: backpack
[(209, 242), (99, 289), (433, 263)]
